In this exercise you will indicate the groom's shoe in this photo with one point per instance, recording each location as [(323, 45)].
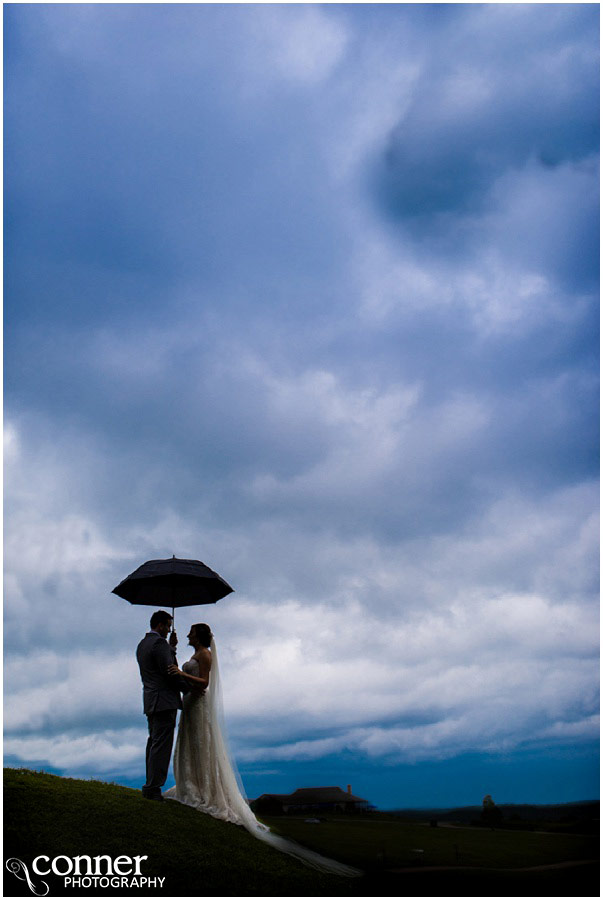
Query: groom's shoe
[(152, 795)]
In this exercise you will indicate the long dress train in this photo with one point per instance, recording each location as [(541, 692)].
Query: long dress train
[(207, 780)]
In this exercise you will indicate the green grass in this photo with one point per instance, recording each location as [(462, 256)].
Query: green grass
[(393, 844), (200, 856)]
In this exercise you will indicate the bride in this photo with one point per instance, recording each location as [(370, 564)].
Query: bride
[(206, 777)]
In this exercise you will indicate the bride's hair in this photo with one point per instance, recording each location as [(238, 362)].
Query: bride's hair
[(203, 634)]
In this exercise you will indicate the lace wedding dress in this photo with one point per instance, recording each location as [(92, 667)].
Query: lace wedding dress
[(207, 778)]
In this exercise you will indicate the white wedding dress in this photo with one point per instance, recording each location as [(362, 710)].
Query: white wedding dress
[(207, 778)]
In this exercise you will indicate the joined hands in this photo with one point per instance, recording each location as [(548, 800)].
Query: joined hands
[(196, 688)]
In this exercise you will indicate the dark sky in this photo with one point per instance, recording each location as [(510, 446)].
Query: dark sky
[(309, 293)]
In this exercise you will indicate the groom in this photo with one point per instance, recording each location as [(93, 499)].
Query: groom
[(161, 699)]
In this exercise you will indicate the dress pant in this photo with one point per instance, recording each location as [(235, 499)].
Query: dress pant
[(159, 750)]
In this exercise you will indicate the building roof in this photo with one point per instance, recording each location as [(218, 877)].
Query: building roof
[(316, 795), (324, 795)]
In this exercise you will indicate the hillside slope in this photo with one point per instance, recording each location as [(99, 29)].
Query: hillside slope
[(197, 855)]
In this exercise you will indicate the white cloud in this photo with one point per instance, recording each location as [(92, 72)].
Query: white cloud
[(486, 671), (497, 294), (304, 43), (53, 690), (11, 443), (444, 739), (411, 537), (367, 431), (100, 752)]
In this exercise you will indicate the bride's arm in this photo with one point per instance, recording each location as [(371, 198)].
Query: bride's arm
[(202, 681)]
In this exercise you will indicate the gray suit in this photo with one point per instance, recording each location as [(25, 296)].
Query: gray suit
[(161, 701)]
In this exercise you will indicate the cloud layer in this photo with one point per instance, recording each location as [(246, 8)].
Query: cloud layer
[(309, 293)]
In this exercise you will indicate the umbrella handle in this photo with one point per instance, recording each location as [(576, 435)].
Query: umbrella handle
[(173, 629)]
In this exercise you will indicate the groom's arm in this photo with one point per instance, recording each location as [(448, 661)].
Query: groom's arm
[(165, 656)]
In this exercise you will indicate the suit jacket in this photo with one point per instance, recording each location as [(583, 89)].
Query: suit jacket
[(160, 691)]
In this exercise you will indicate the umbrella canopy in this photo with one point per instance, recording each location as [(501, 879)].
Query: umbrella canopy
[(173, 582)]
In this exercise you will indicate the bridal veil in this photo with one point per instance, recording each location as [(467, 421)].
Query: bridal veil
[(207, 777)]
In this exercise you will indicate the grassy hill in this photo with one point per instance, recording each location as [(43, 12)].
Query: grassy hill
[(200, 856), (392, 844)]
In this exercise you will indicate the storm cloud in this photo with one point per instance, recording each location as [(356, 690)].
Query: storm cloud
[(309, 293)]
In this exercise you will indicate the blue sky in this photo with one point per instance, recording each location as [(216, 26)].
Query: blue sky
[(309, 293)]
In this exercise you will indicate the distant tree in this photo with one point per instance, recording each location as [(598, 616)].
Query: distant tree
[(491, 814)]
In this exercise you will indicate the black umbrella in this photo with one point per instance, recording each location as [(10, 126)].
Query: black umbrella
[(173, 582)]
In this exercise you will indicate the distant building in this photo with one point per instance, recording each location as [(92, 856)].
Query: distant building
[(318, 799)]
